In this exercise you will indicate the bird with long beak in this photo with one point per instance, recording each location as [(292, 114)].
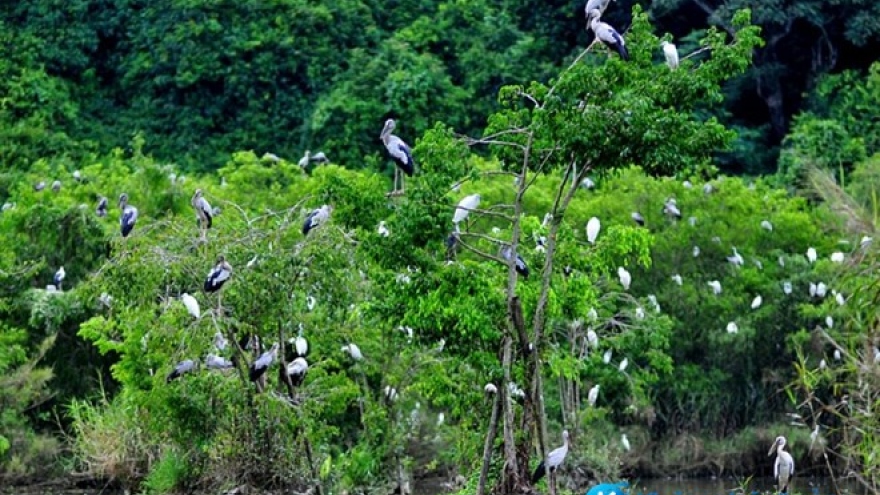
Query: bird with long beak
[(783, 468)]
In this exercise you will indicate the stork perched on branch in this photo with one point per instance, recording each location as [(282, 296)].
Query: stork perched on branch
[(401, 153), (607, 34)]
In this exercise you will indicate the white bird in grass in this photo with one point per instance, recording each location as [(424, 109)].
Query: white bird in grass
[(588, 183), (185, 366), (623, 364), (59, 277), (316, 218), (129, 215), (766, 225), (822, 364), (607, 34), (606, 358), (354, 351), (593, 395), (624, 277), (716, 287), (696, 251), (670, 52), (783, 468), (592, 314), (786, 288), (464, 208), (732, 327), (39, 186), (756, 302), (625, 441), (840, 299), (811, 255), (670, 208), (383, 230), (821, 289), (593, 227), (708, 188), (837, 257), (191, 304), (677, 279), (77, 175), (259, 367), (401, 153), (554, 459), (311, 302)]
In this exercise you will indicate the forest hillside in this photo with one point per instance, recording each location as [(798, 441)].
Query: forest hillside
[(321, 247)]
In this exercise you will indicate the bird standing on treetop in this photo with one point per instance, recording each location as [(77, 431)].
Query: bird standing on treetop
[(259, 367), (218, 275), (783, 468), (59, 277), (599, 5), (203, 210), (553, 461), (400, 151), (182, 367), (464, 208), (101, 209), (607, 34), (521, 266), (129, 215), (296, 371), (671, 54), (316, 218)]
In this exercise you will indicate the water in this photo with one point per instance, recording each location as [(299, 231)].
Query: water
[(705, 486)]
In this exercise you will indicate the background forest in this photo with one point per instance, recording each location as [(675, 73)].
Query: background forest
[(741, 307)]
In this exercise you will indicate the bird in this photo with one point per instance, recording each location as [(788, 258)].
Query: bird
[(640, 313), (687, 184), (593, 395), (865, 242), (390, 393), (837, 257), (296, 371), (101, 209), (129, 215), (304, 161), (553, 461), (671, 54), (259, 367), (514, 391), (215, 362), (220, 341), (786, 288), (783, 468), (732, 327), (301, 345), (638, 218), (400, 151), (821, 289), (812, 289), (588, 183), (625, 441), (490, 389), (840, 299), (354, 351), (607, 34), (383, 230), (56, 186), (520, 266), (829, 322), (756, 302), (696, 251), (599, 5), (606, 358), (77, 175), (464, 208), (182, 367), (218, 275), (624, 277), (593, 227), (811, 255), (320, 157), (677, 279), (7, 206), (766, 225), (708, 188), (203, 210), (670, 208), (837, 355), (623, 364), (271, 157), (316, 218), (192, 305), (59, 277), (716, 287), (736, 259)]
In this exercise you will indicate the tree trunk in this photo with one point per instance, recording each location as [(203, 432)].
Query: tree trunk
[(490, 443)]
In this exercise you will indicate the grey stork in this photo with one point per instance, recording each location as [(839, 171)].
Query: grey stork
[(783, 468), (400, 151), (129, 215), (204, 212), (316, 218), (607, 34), (553, 461)]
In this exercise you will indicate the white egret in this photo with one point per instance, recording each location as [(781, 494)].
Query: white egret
[(592, 314), (716, 287), (607, 34), (272, 157), (814, 435), (696, 251), (606, 358), (653, 300), (316, 218), (786, 288), (625, 442), (837, 355), (811, 255), (640, 313), (821, 289), (191, 304), (781, 261), (593, 395), (390, 393), (837, 257), (490, 389), (822, 364), (783, 468), (624, 277), (756, 302), (599, 5), (129, 215), (588, 183), (59, 277), (736, 259), (840, 299), (687, 184), (185, 366), (311, 302), (677, 279), (829, 322), (252, 262), (670, 208), (708, 188), (400, 151), (553, 461), (514, 391), (623, 364), (464, 208), (548, 217), (670, 52), (218, 275), (592, 338), (77, 175), (766, 225), (593, 227), (354, 351), (383, 230), (865, 242), (732, 327)]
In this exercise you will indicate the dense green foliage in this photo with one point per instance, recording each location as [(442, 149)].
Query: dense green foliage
[(117, 90)]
